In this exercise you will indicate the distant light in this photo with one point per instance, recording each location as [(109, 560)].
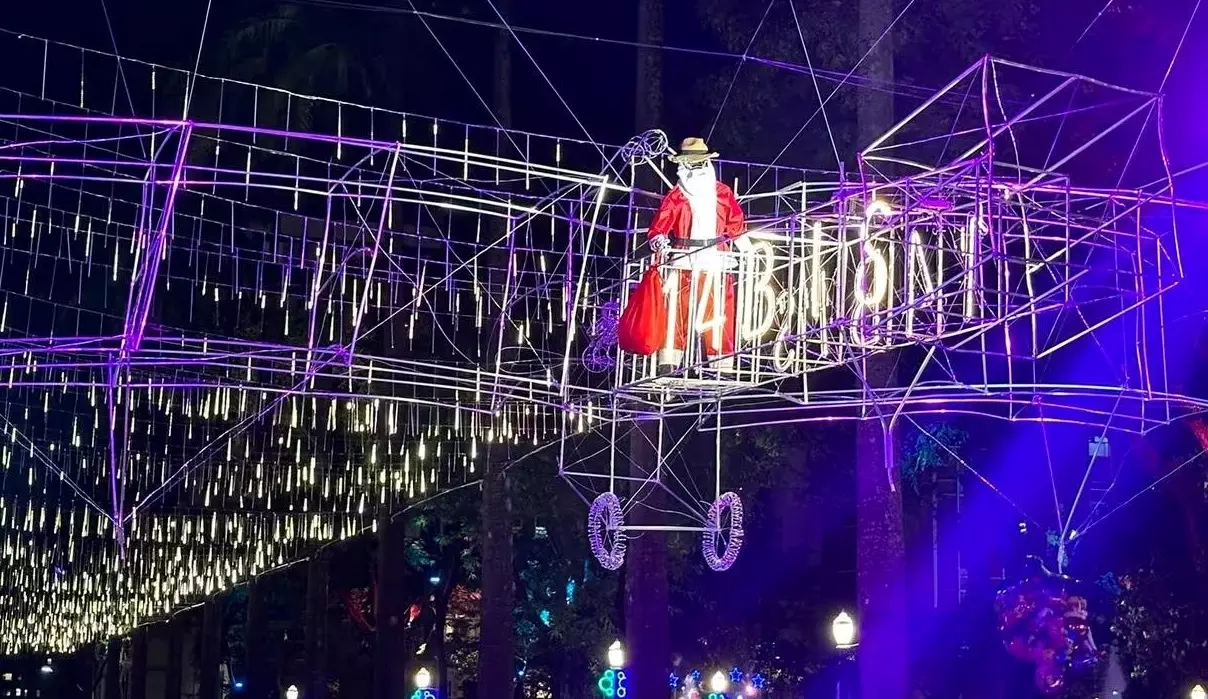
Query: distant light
[(46, 669), (423, 678), (719, 683), (540, 532), (843, 629), (292, 692), (238, 684), (616, 656), (545, 617), (435, 579)]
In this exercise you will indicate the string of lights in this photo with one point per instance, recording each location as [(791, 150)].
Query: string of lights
[(226, 344)]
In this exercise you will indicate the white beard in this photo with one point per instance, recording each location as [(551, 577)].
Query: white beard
[(700, 186)]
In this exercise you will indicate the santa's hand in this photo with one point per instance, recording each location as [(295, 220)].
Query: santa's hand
[(659, 243)]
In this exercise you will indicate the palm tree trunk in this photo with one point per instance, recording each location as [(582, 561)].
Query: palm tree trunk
[(647, 618), (497, 646), (647, 597), (880, 545)]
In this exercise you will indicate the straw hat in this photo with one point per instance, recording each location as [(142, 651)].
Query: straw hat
[(693, 150)]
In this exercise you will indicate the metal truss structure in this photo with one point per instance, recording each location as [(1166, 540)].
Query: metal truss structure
[(962, 251), (226, 340)]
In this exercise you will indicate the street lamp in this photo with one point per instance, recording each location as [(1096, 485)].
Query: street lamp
[(423, 678), (1197, 692), (843, 629), (719, 683), (616, 656), (292, 692)]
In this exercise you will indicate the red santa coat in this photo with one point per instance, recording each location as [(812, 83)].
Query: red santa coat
[(674, 217), (711, 314)]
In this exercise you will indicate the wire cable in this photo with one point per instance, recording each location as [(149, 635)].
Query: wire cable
[(205, 25), (738, 69), (834, 92), (550, 83)]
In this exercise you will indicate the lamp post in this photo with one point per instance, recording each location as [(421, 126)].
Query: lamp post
[(616, 656), (843, 632), (1198, 692)]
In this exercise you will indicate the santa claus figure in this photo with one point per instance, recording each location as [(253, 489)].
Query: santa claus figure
[(692, 231)]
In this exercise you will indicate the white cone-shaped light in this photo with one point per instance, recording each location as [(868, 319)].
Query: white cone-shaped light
[(843, 629), (423, 678), (719, 683), (616, 656)]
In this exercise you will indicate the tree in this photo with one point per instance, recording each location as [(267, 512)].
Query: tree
[(497, 655), (646, 592), (1161, 626), (566, 608)]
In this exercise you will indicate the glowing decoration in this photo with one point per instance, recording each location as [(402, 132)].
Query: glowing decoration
[(546, 617), (646, 147), (1198, 692), (758, 681), (736, 675), (1043, 623), (598, 357), (612, 684), (423, 678), (728, 503), (758, 310), (843, 630), (718, 683), (872, 274), (395, 323), (291, 692), (604, 523), (673, 681), (616, 656)]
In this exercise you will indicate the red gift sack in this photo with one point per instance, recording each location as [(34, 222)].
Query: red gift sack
[(643, 325)]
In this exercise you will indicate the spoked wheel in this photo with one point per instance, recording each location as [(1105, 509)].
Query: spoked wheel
[(723, 528), (604, 531)]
